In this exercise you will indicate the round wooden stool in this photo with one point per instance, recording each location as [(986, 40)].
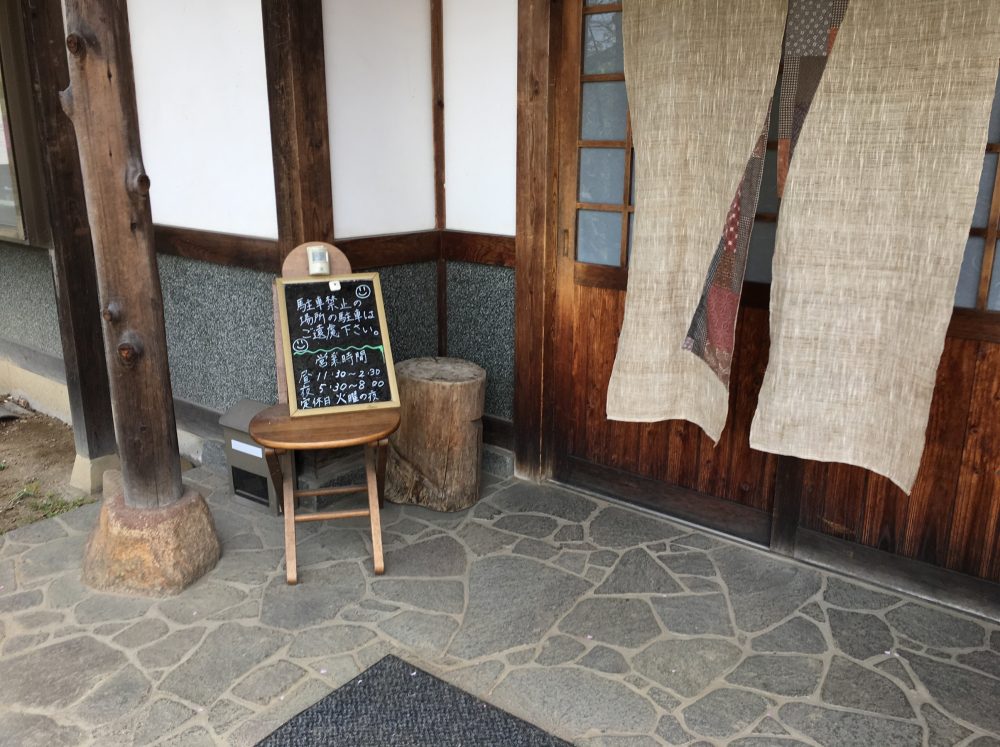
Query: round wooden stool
[(434, 457)]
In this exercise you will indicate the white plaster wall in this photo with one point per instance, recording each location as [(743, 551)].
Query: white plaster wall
[(480, 131), (379, 93), (201, 90)]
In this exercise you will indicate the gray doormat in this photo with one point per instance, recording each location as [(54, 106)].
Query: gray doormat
[(394, 703)]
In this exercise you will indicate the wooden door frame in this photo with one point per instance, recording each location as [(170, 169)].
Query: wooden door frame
[(539, 24)]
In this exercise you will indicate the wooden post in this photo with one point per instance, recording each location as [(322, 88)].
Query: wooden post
[(73, 267), (148, 538)]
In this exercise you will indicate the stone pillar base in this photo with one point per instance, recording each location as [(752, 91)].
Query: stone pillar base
[(88, 474), (154, 551)]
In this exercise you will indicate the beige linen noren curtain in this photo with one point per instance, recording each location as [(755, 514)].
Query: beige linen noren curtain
[(876, 214), (700, 76)]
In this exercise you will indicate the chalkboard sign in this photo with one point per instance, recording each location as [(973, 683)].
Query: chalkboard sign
[(337, 354)]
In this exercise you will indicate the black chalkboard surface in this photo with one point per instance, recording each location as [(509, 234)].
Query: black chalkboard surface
[(337, 353)]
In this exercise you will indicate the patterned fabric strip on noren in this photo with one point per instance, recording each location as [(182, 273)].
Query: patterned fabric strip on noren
[(712, 333)]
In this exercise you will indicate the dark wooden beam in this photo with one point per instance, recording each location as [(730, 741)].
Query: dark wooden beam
[(480, 248), (787, 504), (221, 248), (537, 22), (300, 142), (440, 205), (73, 267), (101, 103), (368, 252)]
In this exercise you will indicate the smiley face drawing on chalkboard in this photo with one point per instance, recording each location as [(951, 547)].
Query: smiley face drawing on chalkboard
[(300, 346), (363, 291)]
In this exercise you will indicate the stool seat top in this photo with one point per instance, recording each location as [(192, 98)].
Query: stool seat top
[(276, 429)]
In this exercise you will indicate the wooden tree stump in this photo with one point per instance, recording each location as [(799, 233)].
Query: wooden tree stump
[(435, 455)]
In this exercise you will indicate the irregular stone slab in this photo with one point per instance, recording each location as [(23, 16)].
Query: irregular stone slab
[(31, 730), (620, 622), (484, 540), (225, 713), (619, 528), (438, 596), (535, 549), (637, 572), (247, 567), (57, 675), (141, 633), (688, 563), (604, 659), (336, 669), (768, 725), (17, 644), (247, 610), (762, 590), (439, 556), (170, 650), (603, 558), (227, 653), (985, 742), (724, 712), (696, 540), (796, 636), (147, 725), (687, 666), (995, 640), (984, 661), (766, 742), (529, 526), (315, 600), (193, 737), (894, 668), (478, 678), (793, 676), (569, 533), (699, 585), (574, 562), (115, 698), (66, 591), (98, 608), (935, 628), (254, 729), (521, 656), (860, 635), (850, 596), (828, 726), (22, 600), (942, 731), (40, 619), (969, 695), (573, 701), (525, 497), (852, 686), (670, 731), (702, 614), (420, 630), (267, 683), (558, 649), (634, 740), (40, 531), (199, 601), (814, 611), (82, 519), (338, 544), (8, 582), (333, 639), (512, 602)]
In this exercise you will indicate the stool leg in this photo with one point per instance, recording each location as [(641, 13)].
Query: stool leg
[(371, 458), (288, 496), (383, 454)]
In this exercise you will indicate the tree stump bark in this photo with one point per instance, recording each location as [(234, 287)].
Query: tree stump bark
[(435, 455)]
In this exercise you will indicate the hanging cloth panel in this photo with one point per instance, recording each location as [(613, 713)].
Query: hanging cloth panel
[(877, 209), (700, 75)]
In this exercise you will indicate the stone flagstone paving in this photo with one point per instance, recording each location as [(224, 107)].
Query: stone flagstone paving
[(597, 622)]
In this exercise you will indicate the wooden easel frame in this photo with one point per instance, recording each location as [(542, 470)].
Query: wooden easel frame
[(286, 344)]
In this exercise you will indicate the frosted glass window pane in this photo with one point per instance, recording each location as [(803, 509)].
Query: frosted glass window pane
[(761, 252), (982, 214), (968, 279), (994, 301), (768, 200), (604, 114), (602, 175), (602, 43), (599, 237), (602, 2)]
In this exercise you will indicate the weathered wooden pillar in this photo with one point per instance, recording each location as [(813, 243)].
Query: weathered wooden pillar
[(152, 535)]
